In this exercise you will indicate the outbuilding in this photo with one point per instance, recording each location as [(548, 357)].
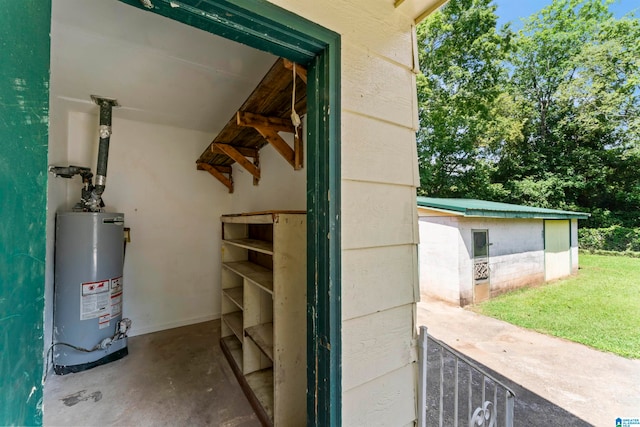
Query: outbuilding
[(471, 250)]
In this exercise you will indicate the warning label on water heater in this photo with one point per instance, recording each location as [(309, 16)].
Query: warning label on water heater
[(116, 296), (95, 300)]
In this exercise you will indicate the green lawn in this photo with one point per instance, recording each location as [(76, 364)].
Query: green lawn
[(600, 307)]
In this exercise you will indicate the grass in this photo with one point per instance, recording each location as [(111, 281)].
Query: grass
[(599, 307)]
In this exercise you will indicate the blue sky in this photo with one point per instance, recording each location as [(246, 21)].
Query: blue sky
[(514, 10)]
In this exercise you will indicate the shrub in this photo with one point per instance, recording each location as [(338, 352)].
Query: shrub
[(614, 238)]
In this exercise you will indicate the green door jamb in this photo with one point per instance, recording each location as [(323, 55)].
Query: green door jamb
[(24, 132), (324, 318), (264, 26)]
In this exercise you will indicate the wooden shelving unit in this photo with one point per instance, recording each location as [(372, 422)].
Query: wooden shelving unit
[(264, 311)]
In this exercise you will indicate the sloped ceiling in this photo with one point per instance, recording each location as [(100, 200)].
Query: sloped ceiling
[(160, 71)]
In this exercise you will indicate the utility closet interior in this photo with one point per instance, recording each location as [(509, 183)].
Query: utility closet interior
[(195, 146)]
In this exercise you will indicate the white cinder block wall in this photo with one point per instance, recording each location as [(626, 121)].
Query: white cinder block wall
[(439, 260), (379, 219), (516, 253)]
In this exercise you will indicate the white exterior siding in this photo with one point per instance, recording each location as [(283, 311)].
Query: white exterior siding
[(379, 220)]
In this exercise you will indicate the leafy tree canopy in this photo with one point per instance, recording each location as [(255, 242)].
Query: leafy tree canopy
[(548, 116)]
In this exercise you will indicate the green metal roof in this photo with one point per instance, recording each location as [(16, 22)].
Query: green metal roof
[(483, 208)]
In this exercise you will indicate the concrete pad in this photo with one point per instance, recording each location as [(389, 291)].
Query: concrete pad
[(176, 377), (595, 386)]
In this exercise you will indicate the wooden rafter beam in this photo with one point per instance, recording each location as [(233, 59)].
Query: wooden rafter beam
[(218, 172), (280, 145), (269, 127), (245, 151), (300, 70), (245, 118), (234, 154)]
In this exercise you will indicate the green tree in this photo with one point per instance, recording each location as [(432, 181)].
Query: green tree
[(461, 99), (575, 84)]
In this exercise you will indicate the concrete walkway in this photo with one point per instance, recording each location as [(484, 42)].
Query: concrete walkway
[(595, 386)]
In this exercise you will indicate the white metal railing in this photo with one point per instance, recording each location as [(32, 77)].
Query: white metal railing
[(439, 400)]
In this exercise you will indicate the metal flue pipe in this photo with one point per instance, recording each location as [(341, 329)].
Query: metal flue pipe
[(106, 106)]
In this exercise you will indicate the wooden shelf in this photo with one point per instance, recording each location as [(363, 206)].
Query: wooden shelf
[(235, 349), (261, 383), (254, 273), (235, 295), (262, 335), (234, 322), (270, 358), (265, 113), (252, 244)]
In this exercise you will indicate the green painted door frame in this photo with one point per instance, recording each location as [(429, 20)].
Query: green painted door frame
[(262, 25), (24, 128)]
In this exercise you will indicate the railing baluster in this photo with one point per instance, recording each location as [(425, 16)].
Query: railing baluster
[(495, 401), (484, 386), (455, 401), (441, 386), (470, 393), (422, 371), (483, 415), (508, 417)]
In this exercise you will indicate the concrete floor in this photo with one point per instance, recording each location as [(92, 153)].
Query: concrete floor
[(594, 386), (177, 377)]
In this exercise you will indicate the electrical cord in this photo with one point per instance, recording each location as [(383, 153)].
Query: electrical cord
[(75, 347), (122, 327)]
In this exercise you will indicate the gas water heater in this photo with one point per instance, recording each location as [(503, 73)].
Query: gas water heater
[(88, 327)]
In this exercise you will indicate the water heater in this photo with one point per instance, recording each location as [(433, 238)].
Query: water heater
[(88, 290), (88, 328)]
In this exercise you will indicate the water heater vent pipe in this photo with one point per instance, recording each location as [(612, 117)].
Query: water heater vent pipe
[(91, 198), (106, 106)]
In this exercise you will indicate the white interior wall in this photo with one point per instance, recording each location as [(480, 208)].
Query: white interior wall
[(171, 270), (280, 187), (56, 200), (161, 72), (172, 265)]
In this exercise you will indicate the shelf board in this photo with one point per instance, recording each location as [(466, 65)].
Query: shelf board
[(254, 273), (261, 380), (263, 217), (261, 384), (235, 295), (235, 349), (234, 321), (252, 244), (262, 335)]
